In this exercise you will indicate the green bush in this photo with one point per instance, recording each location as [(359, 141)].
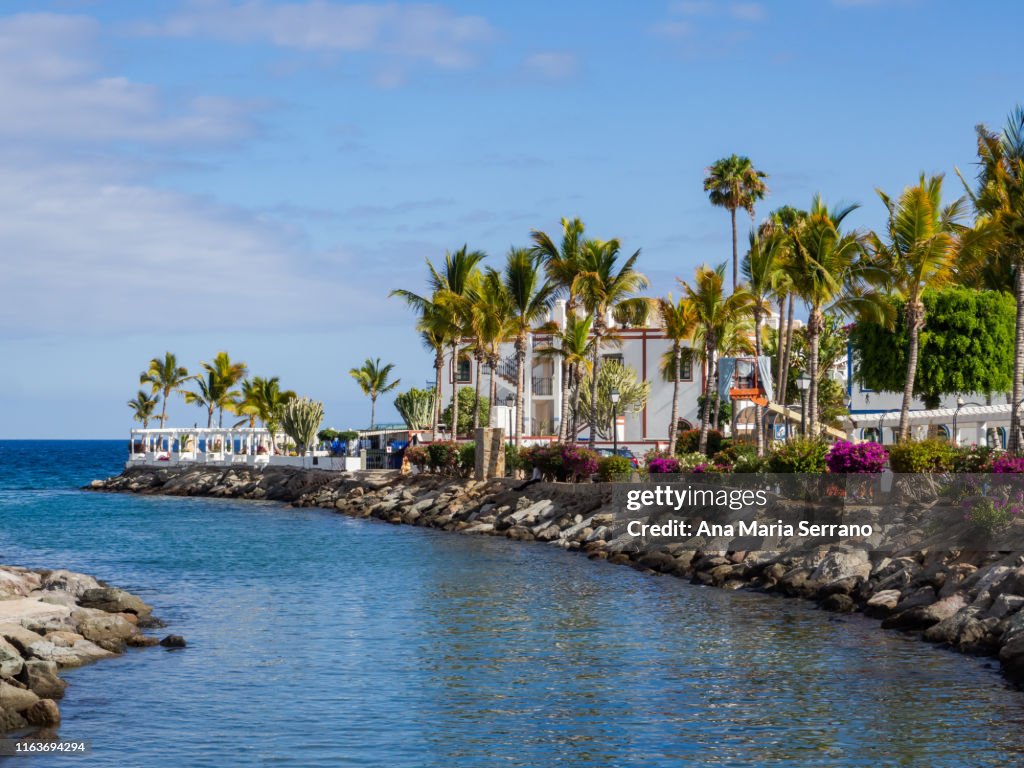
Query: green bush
[(418, 457), (443, 457), (467, 398), (976, 459), (930, 456), (688, 441), (800, 455), (513, 461), (467, 458), (689, 461), (750, 464), (614, 468)]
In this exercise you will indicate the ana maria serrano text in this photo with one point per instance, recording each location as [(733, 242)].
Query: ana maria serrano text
[(674, 498)]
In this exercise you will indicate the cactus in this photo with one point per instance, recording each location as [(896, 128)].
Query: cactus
[(416, 408), (300, 420)]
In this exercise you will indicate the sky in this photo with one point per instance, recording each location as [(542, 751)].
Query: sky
[(256, 176)]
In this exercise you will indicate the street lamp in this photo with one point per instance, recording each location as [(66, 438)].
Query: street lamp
[(959, 404), (803, 381), (615, 421)]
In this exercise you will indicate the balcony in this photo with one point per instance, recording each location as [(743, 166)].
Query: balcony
[(542, 386)]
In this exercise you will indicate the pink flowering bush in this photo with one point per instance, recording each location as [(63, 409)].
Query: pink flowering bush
[(856, 459), (663, 465), (1008, 465), (578, 463), (556, 461)]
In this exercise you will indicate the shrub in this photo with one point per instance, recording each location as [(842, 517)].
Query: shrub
[(578, 463), (750, 464), (989, 514), (546, 459), (611, 468), (467, 399), (688, 440), (800, 455), (663, 465), (467, 458), (418, 457), (856, 458), (443, 457), (976, 459), (924, 456), (689, 461), (1007, 465), (513, 460)]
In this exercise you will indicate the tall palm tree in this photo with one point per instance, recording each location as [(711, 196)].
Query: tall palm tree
[(715, 316), (831, 273), (372, 378), (166, 377), (733, 183), (562, 265), (215, 392), (999, 201), (530, 297), (449, 307), (763, 274), (919, 252), (492, 325), (783, 222), (679, 322), (143, 405), (247, 404), (207, 394), (271, 400), (573, 344), (604, 288)]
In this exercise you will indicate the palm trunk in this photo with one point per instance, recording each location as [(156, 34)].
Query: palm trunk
[(575, 404), (758, 426), (209, 417), (455, 391), (735, 252), (373, 411), (779, 346), (438, 373), (814, 325), (563, 425), (163, 412), (1013, 444), (784, 386), (493, 385), (915, 321), (673, 425), (520, 384), (705, 420), (593, 379), (476, 405)]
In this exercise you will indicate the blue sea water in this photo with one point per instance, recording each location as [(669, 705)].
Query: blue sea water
[(317, 640)]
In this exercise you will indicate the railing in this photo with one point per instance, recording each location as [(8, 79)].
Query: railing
[(507, 368), (542, 385)]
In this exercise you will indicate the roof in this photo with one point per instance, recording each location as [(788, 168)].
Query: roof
[(966, 414)]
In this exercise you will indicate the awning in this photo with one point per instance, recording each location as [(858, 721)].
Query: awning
[(967, 414)]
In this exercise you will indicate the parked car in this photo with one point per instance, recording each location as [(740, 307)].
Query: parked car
[(623, 452)]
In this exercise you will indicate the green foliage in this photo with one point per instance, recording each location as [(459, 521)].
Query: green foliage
[(689, 461), (467, 399), (724, 409), (989, 515), (800, 455), (143, 405), (974, 459), (416, 407), (467, 458), (443, 457), (689, 439), (513, 461), (923, 456), (418, 457), (348, 435), (966, 346), (327, 435), (614, 468), (300, 420), (611, 375)]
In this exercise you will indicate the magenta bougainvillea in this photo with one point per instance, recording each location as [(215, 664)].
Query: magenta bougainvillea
[(663, 465), (1008, 465), (856, 459)]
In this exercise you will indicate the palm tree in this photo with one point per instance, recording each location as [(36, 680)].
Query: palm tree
[(562, 265), (999, 201), (372, 378), (715, 316), (573, 345), (166, 377), (208, 394), (606, 288), (271, 400), (530, 297), (679, 323), (215, 391), (492, 325), (783, 222), (920, 252), (143, 405), (449, 307), (247, 404), (831, 273), (732, 183), (763, 274)]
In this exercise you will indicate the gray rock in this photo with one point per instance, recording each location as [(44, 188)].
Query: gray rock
[(68, 581), (841, 565), (1011, 584), (1004, 605), (173, 641), (43, 714), (109, 631), (113, 600), (10, 660), (41, 678), (72, 654), (18, 636), (16, 699), (882, 603), (10, 720)]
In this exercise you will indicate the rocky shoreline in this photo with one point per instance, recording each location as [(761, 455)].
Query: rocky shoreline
[(54, 620), (969, 601)]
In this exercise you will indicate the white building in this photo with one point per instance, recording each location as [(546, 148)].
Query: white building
[(641, 349)]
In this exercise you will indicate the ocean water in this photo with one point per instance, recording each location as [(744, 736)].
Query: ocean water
[(316, 640)]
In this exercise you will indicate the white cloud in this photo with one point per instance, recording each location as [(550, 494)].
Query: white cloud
[(51, 88), (551, 65), (412, 31)]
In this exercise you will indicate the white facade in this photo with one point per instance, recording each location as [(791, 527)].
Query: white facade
[(641, 349)]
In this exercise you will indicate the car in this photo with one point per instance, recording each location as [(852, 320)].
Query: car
[(623, 452)]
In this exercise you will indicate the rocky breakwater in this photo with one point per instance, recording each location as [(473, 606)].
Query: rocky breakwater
[(53, 620), (968, 600)]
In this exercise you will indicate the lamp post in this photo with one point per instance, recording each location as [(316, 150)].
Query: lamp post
[(959, 404), (803, 381), (615, 421)]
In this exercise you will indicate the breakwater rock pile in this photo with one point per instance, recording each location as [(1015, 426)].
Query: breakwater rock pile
[(52, 620), (967, 600)]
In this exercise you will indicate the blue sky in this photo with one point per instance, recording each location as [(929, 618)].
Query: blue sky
[(256, 176)]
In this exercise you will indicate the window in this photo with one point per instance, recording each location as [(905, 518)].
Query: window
[(465, 372), (613, 358), (686, 368)]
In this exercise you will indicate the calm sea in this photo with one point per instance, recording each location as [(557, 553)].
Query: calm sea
[(316, 640)]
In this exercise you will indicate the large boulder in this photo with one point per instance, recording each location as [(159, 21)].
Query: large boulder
[(66, 652), (76, 584), (16, 699), (836, 566), (882, 603), (1011, 584), (18, 636), (17, 582), (924, 616), (107, 630), (43, 714), (113, 600), (10, 660), (41, 678)]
